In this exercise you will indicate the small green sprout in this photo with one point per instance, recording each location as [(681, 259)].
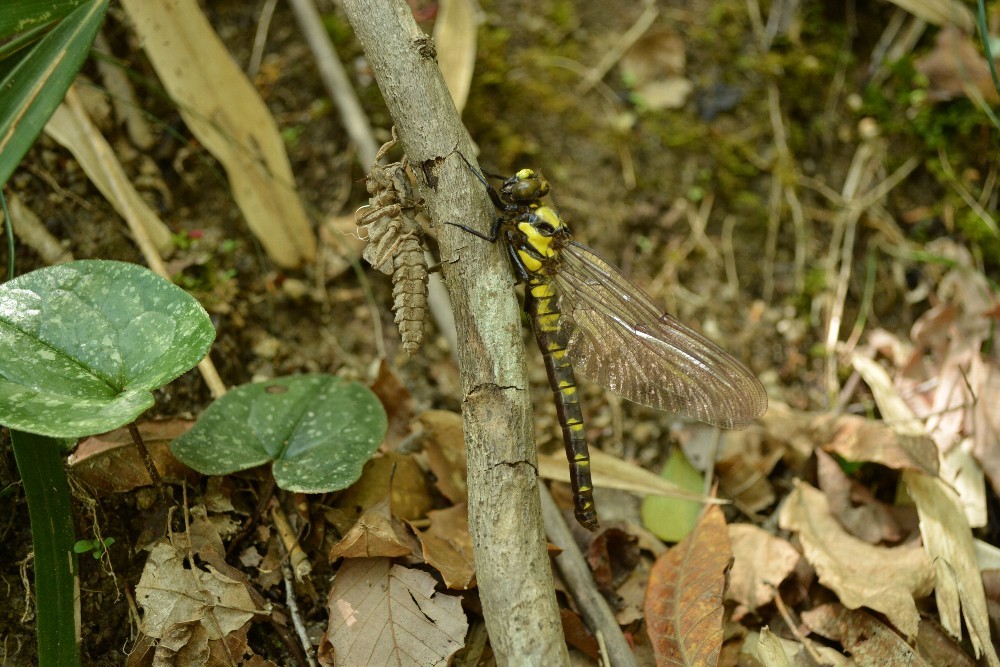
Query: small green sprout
[(97, 547)]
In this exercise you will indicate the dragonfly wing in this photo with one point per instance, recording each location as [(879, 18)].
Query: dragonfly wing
[(619, 338)]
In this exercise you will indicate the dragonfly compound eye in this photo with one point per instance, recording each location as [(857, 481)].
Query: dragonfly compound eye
[(525, 187)]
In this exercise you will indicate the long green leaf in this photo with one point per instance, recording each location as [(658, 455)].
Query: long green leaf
[(21, 15), (31, 91), (39, 460)]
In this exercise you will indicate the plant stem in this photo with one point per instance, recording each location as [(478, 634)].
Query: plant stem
[(147, 459)]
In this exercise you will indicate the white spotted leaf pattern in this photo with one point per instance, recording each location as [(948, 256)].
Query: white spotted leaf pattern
[(316, 430), (84, 344)]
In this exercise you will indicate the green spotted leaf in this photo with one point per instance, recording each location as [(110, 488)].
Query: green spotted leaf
[(83, 345), (316, 430)]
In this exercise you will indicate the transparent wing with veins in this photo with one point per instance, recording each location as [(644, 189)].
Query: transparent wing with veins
[(620, 339)]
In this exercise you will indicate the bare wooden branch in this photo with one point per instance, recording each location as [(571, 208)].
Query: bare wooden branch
[(512, 566)]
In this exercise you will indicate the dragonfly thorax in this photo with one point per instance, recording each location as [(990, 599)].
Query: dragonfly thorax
[(538, 237)]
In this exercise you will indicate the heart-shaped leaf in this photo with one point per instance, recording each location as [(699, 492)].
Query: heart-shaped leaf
[(318, 430), (84, 344)]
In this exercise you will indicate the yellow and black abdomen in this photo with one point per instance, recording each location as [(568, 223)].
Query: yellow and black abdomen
[(541, 304)]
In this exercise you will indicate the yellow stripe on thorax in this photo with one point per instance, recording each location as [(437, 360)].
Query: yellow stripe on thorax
[(540, 243)]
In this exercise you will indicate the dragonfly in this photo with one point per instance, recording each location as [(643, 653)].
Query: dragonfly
[(589, 317)]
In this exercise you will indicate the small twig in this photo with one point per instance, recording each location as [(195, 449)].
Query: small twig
[(842, 254), (854, 205), (293, 612), (782, 190), (866, 303), (290, 540), (260, 37), (577, 575), (709, 488), (966, 196), (337, 83), (729, 254), (32, 233), (147, 459), (263, 503), (793, 627), (119, 86), (698, 222), (630, 37)]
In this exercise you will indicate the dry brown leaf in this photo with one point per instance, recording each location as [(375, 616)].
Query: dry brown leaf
[(31, 231), (631, 593), (74, 130), (111, 463), (455, 38), (684, 597), (224, 111), (859, 439), (444, 450), (948, 539), (856, 507), (761, 562), (939, 12), (884, 579), (654, 68), (794, 430), (955, 68), (385, 614), (612, 555), (950, 381), (868, 640), (447, 546), (577, 635), (896, 413), (938, 648), (984, 378), (746, 484), (742, 460), (766, 649), (411, 499), (192, 604), (231, 647), (397, 401), (761, 650), (944, 526), (377, 533)]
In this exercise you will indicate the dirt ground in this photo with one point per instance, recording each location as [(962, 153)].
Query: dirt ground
[(683, 179)]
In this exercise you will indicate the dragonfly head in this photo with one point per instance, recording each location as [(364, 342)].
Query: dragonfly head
[(524, 187)]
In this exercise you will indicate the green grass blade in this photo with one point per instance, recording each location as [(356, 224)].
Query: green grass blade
[(39, 460), (21, 15)]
